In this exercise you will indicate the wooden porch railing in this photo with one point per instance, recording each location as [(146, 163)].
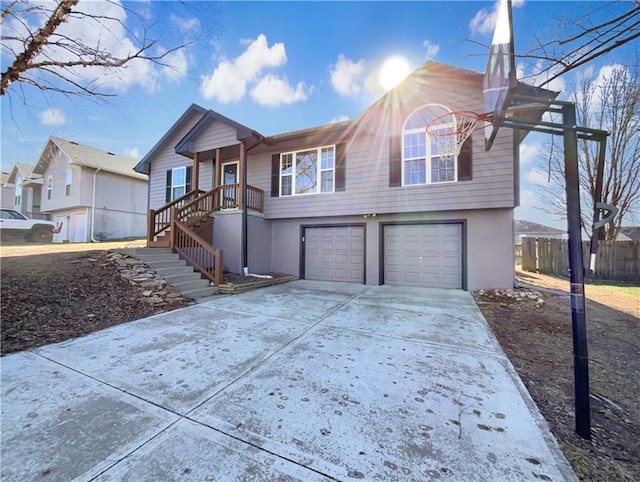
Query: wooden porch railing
[(230, 197), (159, 220), (184, 213), (203, 205), (200, 254), (255, 198)]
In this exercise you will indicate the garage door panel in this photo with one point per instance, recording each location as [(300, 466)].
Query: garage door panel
[(423, 255), (339, 256)]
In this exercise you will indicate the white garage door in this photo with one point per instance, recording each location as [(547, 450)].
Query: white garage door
[(334, 253), (78, 227), (427, 255)]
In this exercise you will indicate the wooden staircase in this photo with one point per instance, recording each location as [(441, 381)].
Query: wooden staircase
[(185, 225), (175, 272)]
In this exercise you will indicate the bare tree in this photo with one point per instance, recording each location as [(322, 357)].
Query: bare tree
[(71, 47), (608, 100), (577, 41)]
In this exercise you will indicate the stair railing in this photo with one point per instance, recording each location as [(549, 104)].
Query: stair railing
[(202, 206), (198, 253), (160, 219)]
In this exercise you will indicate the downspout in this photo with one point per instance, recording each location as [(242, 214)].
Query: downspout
[(93, 204), (245, 212)]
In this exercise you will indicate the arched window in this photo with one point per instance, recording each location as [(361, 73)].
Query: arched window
[(422, 161)]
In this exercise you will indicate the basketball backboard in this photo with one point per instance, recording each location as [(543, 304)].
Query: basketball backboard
[(499, 82)]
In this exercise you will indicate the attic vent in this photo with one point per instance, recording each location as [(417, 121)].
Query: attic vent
[(74, 142), (111, 153)]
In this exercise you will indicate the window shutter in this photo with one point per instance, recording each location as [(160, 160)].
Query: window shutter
[(275, 175), (167, 197), (395, 161), (341, 167), (188, 179), (465, 156)]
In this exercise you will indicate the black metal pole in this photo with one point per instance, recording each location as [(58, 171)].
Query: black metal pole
[(576, 267)]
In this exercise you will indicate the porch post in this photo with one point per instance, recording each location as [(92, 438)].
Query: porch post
[(242, 181), (218, 168), (196, 172)]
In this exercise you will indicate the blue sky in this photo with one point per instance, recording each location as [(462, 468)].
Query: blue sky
[(275, 67)]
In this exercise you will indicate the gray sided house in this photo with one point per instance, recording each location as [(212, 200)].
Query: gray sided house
[(6, 191), (96, 195), (529, 229), (368, 200), (25, 188)]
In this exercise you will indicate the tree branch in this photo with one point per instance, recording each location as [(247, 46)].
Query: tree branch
[(22, 62)]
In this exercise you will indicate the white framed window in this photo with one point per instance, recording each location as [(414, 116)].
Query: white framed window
[(422, 160), (49, 187), (68, 178), (309, 171), (178, 182), (18, 191)]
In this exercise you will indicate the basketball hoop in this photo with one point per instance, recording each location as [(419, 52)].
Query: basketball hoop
[(449, 131)]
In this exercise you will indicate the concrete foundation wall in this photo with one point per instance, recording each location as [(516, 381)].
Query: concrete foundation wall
[(259, 244), (487, 244), (227, 235)]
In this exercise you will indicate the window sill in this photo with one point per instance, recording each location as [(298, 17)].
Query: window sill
[(431, 184)]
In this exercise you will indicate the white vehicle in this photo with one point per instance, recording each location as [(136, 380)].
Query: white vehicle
[(15, 224)]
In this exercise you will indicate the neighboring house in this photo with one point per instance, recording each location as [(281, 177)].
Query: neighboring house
[(529, 229), (95, 194), (367, 201), (26, 190), (629, 233), (6, 191)]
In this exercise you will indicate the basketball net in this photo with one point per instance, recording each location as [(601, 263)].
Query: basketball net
[(449, 131)]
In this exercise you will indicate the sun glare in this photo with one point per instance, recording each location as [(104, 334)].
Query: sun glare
[(393, 71)]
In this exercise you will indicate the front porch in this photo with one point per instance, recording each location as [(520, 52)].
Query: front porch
[(185, 225), (212, 181)]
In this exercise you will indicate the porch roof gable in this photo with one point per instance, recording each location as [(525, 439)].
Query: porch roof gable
[(25, 170), (143, 166), (184, 146)]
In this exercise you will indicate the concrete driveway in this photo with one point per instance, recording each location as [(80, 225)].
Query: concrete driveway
[(302, 381)]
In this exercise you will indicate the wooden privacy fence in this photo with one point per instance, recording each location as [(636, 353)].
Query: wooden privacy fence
[(616, 260)]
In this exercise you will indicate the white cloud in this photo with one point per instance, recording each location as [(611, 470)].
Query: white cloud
[(103, 28), (346, 76), (528, 198), (228, 82), (132, 152), (340, 118), (536, 176), (597, 87), (175, 65), (104, 25), (186, 24), (52, 117), (272, 91), (432, 49), (528, 152), (484, 21)]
